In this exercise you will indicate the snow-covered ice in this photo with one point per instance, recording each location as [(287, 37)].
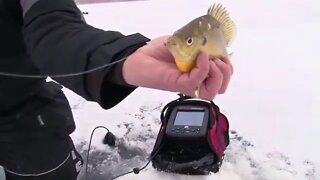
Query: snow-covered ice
[(271, 102)]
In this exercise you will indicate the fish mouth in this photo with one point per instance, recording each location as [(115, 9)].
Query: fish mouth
[(171, 42), (174, 47), (182, 62)]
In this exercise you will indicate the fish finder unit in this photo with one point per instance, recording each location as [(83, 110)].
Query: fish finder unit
[(188, 122), (192, 139)]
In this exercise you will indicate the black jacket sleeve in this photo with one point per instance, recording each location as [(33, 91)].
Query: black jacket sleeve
[(59, 41)]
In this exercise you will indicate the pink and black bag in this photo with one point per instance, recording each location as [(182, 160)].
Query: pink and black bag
[(192, 157)]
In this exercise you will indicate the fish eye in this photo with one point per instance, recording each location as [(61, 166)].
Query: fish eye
[(189, 40)]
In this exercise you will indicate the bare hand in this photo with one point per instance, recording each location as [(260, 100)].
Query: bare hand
[(153, 66)]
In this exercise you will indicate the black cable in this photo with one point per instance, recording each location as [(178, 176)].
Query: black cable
[(137, 170), (122, 175), (88, 153), (60, 75)]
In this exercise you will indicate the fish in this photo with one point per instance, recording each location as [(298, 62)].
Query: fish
[(212, 33)]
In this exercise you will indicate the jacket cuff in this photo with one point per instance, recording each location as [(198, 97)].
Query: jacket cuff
[(113, 88), (116, 75)]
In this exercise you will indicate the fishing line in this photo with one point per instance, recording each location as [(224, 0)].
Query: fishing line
[(17, 75)]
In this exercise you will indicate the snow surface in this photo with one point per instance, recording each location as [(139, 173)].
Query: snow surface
[(271, 102)]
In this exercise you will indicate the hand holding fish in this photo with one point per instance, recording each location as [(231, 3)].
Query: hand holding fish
[(193, 61), (153, 66)]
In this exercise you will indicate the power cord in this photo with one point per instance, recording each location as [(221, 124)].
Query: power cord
[(107, 140), (137, 170), (60, 75)]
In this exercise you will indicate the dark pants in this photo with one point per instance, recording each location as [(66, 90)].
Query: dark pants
[(34, 141), (46, 159)]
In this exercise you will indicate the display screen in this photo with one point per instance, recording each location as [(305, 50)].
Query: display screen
[(189, 118)]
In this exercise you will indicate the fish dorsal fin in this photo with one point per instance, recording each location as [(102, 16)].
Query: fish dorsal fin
[(218, 12)]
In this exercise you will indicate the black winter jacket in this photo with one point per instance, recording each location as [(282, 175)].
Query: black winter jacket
[(51, 37)]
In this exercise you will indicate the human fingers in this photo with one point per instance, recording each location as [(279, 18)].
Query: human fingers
[(226, 71), (189, 82), (228, 62), (211, 86)]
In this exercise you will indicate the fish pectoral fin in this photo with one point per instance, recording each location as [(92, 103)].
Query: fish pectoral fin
[(222, 16)]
